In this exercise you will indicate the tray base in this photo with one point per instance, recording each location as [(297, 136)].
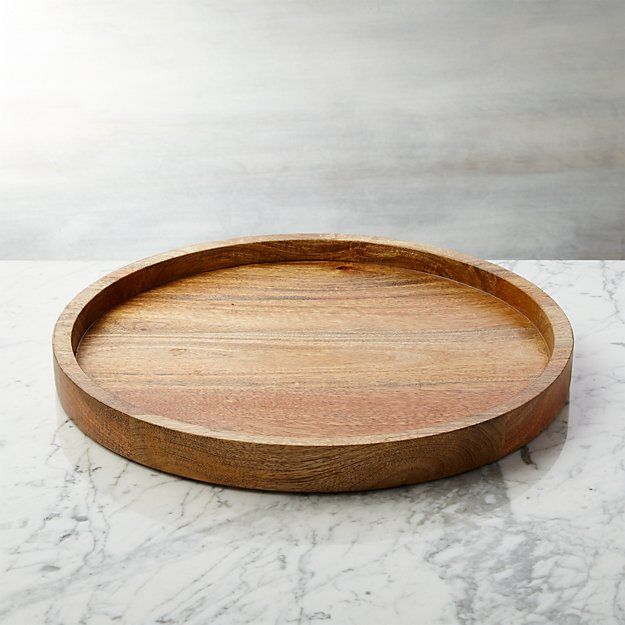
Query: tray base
[(313, 349)]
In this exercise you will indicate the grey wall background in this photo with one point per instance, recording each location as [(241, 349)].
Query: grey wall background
[(494, 127)]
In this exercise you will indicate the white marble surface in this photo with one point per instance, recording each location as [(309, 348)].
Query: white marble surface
[(536, 538), (492, 126)]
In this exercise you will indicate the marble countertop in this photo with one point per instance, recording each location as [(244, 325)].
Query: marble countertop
[(87, 537)]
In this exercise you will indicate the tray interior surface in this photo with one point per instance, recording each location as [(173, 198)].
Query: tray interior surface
[(313, 349)]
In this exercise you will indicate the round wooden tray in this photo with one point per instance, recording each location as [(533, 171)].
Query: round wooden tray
[(312, 362)]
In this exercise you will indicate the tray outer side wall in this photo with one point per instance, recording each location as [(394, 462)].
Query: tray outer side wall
[(308, 468)]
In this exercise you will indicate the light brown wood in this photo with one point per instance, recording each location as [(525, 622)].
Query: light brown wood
[(312, 362)]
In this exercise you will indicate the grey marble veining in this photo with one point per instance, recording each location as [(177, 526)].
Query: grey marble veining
[(535, 539), (491, 126)]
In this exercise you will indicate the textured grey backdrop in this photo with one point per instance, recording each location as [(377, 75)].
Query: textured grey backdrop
[(491, 126)]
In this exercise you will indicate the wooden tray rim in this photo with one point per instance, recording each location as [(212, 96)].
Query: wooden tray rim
[(66, 363)]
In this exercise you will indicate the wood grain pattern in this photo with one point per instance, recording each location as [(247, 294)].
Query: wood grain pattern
[(312, 362)]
